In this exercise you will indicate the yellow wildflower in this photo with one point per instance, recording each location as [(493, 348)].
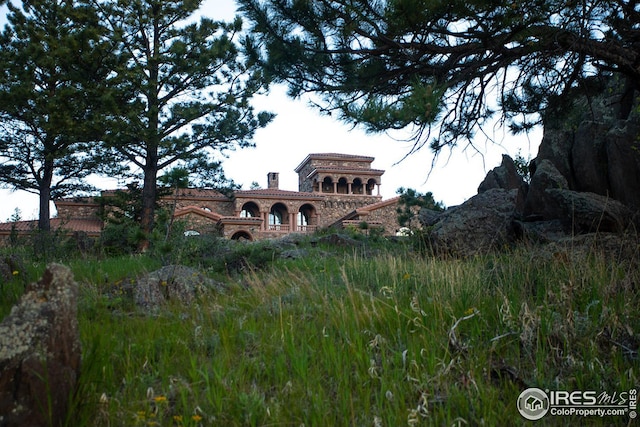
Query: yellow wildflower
[(15, 272), (160, 399), (177, 418), (196, 417), (406, 276)]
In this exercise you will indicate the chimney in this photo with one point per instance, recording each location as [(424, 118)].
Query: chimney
[(272, 180)]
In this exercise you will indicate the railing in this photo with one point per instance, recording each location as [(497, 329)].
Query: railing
[(286, 228), (283, 228)]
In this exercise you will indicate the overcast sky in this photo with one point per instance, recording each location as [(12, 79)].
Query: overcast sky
[(299, 130)]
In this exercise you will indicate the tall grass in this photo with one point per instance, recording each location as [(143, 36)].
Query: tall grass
[(366, 340), (362, 338)]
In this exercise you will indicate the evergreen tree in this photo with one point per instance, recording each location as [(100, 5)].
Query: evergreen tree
[(53, 55), (445, 67), (189, 87)]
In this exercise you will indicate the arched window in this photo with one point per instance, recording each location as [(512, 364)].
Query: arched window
[(327, 185), (343, 187), (250, 210), (371, 184), (356, 187)]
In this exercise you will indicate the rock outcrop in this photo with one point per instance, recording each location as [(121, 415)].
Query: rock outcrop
[(482, 223), (585, 179), (40, 353)]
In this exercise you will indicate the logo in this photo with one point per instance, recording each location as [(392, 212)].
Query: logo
[(533, 404)]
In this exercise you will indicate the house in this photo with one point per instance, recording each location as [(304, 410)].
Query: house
[(333, 190)]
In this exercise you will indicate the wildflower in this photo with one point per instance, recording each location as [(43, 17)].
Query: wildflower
[(470, 311), (160, 399), (15, 272), (177, 418), (196, 417), (406, 276)]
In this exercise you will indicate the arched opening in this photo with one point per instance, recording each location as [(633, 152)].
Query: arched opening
[(356, 186), (327, 185), (343, 187), (278, 218), (250, 210), (371, 184), (306, 218), (242, 235)]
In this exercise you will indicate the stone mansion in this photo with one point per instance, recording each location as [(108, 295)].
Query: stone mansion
[(334, 190)]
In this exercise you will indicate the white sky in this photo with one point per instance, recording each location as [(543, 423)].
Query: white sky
[(299, 130)]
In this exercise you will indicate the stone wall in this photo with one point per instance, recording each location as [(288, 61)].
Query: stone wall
[(334, 207), (387, 216)]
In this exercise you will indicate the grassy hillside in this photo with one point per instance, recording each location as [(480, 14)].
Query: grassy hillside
[(371, 334)]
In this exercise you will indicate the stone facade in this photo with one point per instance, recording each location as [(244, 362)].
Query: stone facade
[(333, 188)]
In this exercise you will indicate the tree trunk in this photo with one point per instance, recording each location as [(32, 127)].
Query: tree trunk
[(149, 195), (44, 216)]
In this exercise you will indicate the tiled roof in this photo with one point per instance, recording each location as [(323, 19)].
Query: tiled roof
[(365, 210), (198, 193), (197, 211), (276, 193), (334, 156), (378, 205), (89, 226)]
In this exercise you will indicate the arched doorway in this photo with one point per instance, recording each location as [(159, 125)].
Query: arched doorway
[(356, 186), (242, 235), (307, 218), (278, 218)]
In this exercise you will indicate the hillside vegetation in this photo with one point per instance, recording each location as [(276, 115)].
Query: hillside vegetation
[(372, 333)]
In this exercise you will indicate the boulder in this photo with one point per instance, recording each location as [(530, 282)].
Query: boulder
[(538, 205), (504, 176), (40, 352), (483, 223), (173, 282), (623, 154), (586, 212), (429, 217)]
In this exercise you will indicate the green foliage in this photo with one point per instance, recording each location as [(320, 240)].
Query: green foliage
[(189, 91), (55, 67), (411, 201), (522, 167), (441, 66)]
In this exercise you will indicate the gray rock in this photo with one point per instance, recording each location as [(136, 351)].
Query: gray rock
[(172, 282), (40, 352), (504, 176), (429, 217), (538, 204), (589, 212), (483, 223)]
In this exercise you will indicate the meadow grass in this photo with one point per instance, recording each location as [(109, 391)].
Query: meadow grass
[(359, 337)]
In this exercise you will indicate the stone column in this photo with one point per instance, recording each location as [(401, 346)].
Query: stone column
[(292, 221)]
